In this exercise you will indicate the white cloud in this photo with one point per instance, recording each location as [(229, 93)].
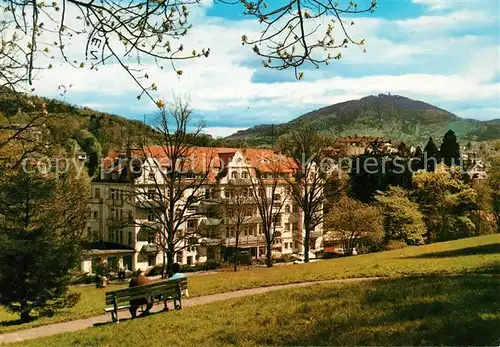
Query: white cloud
[(221, 131), (224, 82), (487, 113), (437, 4)]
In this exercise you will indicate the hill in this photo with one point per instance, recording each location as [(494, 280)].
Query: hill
[(392, 116), (71, 123)]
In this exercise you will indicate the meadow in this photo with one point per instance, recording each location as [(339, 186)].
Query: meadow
[(433, 310), (477, 255)]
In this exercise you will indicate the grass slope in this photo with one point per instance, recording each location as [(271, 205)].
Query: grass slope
[(472, 255), (458, 310)]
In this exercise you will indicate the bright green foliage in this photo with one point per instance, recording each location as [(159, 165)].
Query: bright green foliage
[(352, 222), (446, 203), (42, 220), (494, 182), (402, 217)]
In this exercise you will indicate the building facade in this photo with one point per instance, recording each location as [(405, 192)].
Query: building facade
[(128, 223)]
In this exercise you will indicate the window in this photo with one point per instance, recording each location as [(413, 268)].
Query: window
[(151, 260), (96, 215), (112, 194), (245, 231), (287, 226), (244, 174), (295, 208), (234, 174), (151, 176), (180, 257), (277, 219), (192, 223), (248, 212), (295, 226), (151, 237), (226, 193), (277, 197), (151, 217), (120, 235), (89, 232), (190, 260), (227, 232), (130, 240), (286, 245), (287, 208), (151, 193), (98, 193)]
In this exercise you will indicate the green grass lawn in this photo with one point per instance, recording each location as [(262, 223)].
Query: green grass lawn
[(472, 255), (446, 310)]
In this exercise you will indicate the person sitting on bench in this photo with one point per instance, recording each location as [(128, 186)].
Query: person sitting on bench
[(134, 304), (176, 269)]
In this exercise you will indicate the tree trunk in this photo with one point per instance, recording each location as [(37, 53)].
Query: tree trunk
[(25, 314), (236, 253), (269, 261), (306, 245), (163, 266), (170, 260)]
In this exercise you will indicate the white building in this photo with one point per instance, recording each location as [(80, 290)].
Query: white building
[(121, 218)]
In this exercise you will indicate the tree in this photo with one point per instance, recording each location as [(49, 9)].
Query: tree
[(494, 183), (351, 221), (267, 188), (376, 172), (42, 222), (483, 218), (175, 173), (237, 210), (450, 150), (311, 170), (431, 155), (403, 220), (446, 203), (294, 33)]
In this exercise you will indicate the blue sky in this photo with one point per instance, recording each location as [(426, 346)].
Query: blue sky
[(443, 52)]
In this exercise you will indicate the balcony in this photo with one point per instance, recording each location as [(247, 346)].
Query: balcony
[(114, 202), (249, 240)]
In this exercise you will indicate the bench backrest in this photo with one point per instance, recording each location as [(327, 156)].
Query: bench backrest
[(165, 287)]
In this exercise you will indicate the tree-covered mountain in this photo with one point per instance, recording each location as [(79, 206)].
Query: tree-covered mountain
[(391, 116), (68, 124)]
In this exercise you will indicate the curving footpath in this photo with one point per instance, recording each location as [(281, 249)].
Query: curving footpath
[(80, 324)]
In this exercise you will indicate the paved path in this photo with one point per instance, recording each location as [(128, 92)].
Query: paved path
[(52, 329)]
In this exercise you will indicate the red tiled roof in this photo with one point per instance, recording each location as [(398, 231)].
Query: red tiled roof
[(265, 160)]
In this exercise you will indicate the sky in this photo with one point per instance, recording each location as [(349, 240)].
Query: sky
[(444, 52)]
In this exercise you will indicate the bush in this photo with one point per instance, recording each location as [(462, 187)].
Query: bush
[(83, 278), (209, 265), (395, 244)]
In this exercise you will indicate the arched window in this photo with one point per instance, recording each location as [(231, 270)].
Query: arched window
[(287, 208), (234, 174), (244, 174)]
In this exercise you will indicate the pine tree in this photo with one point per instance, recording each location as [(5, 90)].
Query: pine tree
[(42, 223), (431, 155), (450, 150)]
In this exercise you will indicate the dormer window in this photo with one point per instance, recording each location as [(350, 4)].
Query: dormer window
[(234, 174), (244, 174), (151, 176)]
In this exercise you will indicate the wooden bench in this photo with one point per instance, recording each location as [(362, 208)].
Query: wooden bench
[(163, 290)]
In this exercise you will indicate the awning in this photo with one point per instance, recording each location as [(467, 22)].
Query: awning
[(108, 248), (151, 248), (210, 242)]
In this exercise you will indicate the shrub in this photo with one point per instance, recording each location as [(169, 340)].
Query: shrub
[(395, 244)]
